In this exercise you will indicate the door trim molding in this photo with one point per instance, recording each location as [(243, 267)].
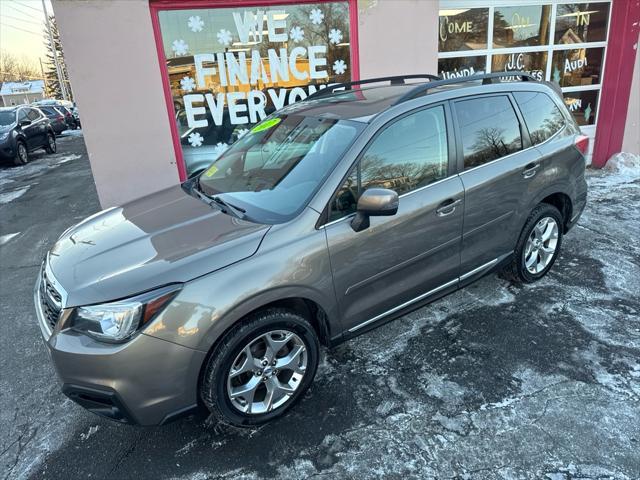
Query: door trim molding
[(399, 266), (405, 304), (470, 273)]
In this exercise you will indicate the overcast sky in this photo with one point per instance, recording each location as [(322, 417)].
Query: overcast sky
[(21, 26)]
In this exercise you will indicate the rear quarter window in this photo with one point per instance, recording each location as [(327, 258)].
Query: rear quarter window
[(541, 115)]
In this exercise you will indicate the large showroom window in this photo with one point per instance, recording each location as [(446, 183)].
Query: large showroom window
[(228, 68), (559, 41)]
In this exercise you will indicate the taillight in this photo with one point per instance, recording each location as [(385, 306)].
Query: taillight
[(60, 117), (582, 144)]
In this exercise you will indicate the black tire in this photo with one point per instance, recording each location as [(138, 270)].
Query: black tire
[(213, 387), (22, 154), (516, 271), (51, 146)]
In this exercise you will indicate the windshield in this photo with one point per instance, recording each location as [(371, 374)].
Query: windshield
[(275, 168), (7, 118)]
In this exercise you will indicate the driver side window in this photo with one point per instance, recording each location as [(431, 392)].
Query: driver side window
[(22, 115)]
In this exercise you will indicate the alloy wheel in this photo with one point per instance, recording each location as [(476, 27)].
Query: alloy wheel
[(52, 143), (541, 245), (267, 372), (22, 153)]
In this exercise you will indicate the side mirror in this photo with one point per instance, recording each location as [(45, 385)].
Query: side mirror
[(375, 202), (25, 123)]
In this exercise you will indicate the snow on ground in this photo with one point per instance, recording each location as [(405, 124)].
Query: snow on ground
[(12, 195), (6, 238)]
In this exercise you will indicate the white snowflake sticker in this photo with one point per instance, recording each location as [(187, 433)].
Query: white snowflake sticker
[(195, 23), (335, 36), (339, 67), (187, 84), (316, 16), (180, 47), (224, 37), (219, 149), (195, 139), (242, 132), (296, 34)]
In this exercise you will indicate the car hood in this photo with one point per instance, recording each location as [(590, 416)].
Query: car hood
[(166, 237)]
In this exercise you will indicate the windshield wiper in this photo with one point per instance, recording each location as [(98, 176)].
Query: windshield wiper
[(224, 207)]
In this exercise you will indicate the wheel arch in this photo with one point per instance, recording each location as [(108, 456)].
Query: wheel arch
[(559, 196), (303, 305)]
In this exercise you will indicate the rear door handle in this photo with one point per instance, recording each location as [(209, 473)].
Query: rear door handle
[(530, 170), (448, 207)]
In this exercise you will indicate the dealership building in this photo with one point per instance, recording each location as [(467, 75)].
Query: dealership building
[(165, 86)]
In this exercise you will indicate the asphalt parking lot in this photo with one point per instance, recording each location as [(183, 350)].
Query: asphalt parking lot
[(494, 381)]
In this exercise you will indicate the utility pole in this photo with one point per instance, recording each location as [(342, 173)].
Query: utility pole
[(63, 87), (44, 77)]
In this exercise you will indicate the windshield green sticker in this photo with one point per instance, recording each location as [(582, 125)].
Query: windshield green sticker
[(265, 125), (212, 169)]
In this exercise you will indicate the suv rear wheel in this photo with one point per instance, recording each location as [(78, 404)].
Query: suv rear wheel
[(22, 154), (260, 368), (538, 245), (51, 146)]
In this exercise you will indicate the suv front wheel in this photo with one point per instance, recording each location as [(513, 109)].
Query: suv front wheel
[(22, 154), (538, 245), (260, 368)]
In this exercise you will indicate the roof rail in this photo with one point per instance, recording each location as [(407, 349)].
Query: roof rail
[(397, 80), (487, 78)]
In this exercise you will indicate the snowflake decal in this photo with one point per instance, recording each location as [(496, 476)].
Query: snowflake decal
[(219, 149), (242, 132), (339, 67), (180, 47), (195, 24), (224, 37), (335, 36), (187, 84), (195, 139), (296, 34), (316, 16)]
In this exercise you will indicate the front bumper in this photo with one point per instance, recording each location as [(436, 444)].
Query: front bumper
[(146, 381), (7, 149)]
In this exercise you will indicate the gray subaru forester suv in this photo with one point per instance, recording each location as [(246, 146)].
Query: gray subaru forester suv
[(329, 218)]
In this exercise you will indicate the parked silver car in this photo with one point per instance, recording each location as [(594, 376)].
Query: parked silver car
[(330, 217)]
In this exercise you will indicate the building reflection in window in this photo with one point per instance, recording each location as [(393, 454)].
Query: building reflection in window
[(521, 26), (582, 22), (463, 29)]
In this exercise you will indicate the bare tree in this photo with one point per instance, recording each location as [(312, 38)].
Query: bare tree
[(14, 68)]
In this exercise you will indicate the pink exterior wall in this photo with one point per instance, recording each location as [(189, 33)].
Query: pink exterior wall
[(631, 140), (111, 56), (397, 36)]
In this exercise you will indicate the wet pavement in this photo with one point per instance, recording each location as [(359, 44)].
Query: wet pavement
[(494, 381)]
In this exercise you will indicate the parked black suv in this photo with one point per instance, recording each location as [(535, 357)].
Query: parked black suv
[(24, 129), (328, 218)]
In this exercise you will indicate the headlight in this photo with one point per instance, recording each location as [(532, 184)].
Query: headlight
[(5, 135), (117, 321)]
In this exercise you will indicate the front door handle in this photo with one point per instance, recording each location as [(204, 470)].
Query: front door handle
[(447, 207), (530, 170)]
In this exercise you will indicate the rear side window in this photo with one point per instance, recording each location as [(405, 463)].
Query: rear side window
[(542, 116), (33, 115), (489, 129), (408, 154)]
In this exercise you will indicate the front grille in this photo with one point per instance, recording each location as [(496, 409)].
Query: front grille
[(51, 301)]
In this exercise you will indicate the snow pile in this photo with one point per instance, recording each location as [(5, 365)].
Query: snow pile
[(624, 165)]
